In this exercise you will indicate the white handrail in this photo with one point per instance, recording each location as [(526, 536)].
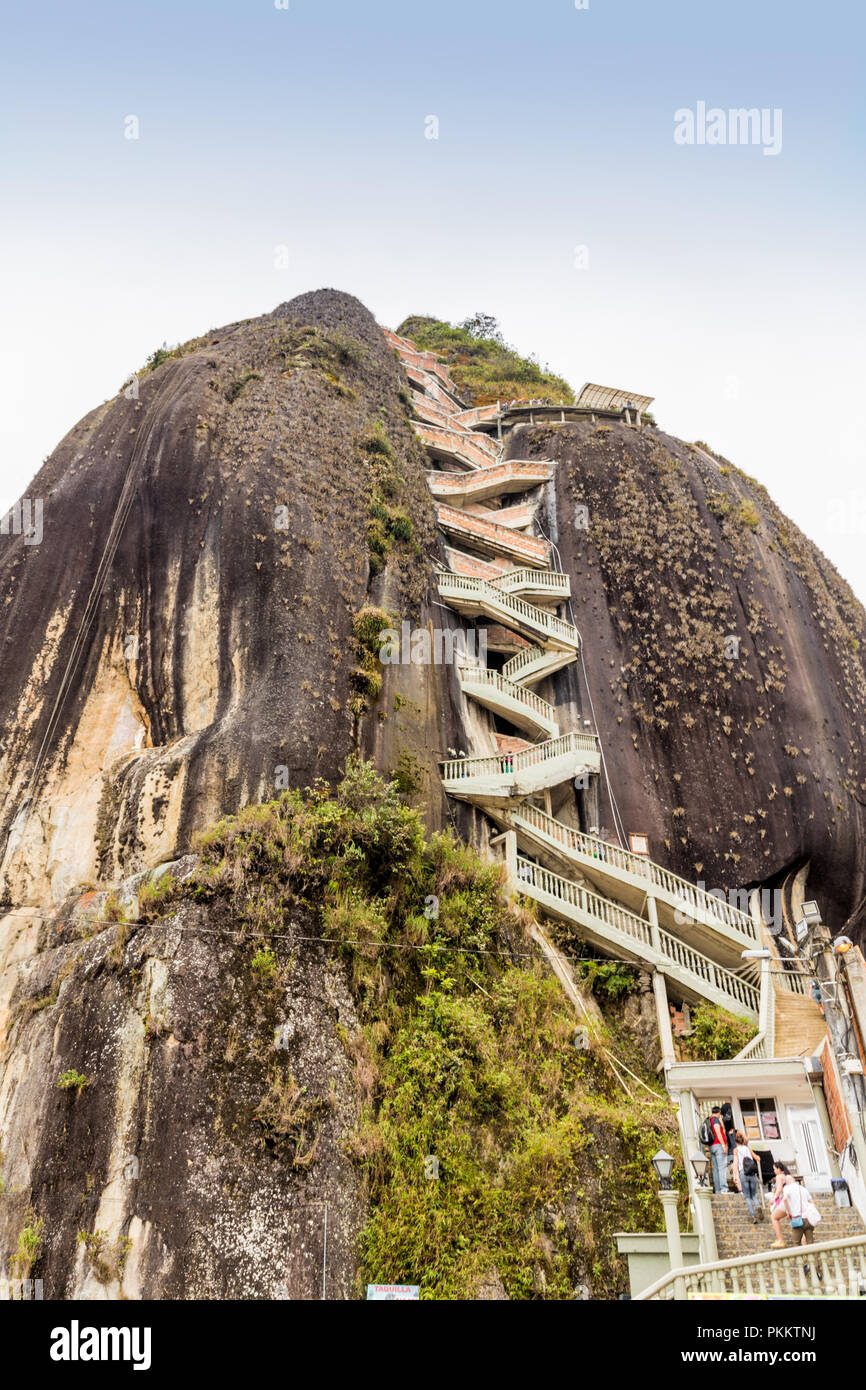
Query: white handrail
[(686, 894), (479, 675), (659, 942), (820, 1270), (458, 585), (508, 764), (538, 579)]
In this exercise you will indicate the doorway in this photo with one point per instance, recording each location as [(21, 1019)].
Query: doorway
[(809, 1147)]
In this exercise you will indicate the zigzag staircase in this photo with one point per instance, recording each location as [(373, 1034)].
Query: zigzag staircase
[(501, 576)]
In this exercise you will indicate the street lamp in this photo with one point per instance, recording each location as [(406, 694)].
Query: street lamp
[(668, 1196), (763, 953), (700, 1163), (842, 945), (664, 1166)]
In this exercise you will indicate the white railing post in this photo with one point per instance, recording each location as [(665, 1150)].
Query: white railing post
[(653, 916), (511, 860)]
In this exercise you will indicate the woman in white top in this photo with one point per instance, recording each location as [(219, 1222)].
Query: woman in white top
[(746, 1170), (800, 1207)]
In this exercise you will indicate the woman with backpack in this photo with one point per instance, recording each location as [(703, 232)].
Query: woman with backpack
[(746, 1169)]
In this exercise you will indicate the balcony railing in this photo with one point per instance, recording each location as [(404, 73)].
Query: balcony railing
[(479, 676), (558, 584), (475, 450), (482, 480), (833, 1269), (481, 591), (501, 539), (507, 765)]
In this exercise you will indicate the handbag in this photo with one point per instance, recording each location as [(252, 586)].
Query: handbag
[(796, 1221)]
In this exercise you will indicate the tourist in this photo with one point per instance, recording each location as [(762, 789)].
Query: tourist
[(802, 1212), (728, 1121), (746, 1170), (718, 1149), (778, 1211)]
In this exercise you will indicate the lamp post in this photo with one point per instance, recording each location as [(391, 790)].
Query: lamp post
[(702, 1194), (668, 1196)]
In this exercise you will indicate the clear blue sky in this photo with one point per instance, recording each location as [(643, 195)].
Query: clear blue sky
[(727, 283)]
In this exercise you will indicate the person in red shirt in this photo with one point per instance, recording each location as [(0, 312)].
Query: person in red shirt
[(719, 1150)]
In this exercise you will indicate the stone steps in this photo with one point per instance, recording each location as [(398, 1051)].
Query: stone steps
[(799, 1025), (735, 1234)]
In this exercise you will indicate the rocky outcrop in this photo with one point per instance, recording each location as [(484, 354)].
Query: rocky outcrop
[(199, 1137), (725, 660), (188, 638), (209, 657)]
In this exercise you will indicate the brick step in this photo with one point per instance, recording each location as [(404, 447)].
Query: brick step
[(799, 1025), (736, 1235)]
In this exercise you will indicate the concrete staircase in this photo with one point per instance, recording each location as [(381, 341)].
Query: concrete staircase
[(503, 576), (799, 1026), (737, 1237)]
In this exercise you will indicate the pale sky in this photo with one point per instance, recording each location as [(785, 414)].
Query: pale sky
[(727, 283)]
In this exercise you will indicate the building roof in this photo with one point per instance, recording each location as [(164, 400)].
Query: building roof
[(593, 397)]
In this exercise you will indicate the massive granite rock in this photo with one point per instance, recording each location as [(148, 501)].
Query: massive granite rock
[(725, 661), (205, 655), (160, 673)]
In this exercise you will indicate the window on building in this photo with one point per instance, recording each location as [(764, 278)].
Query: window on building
[(760, 1118)]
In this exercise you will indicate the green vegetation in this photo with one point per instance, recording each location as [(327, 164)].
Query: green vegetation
[(388, 523), (482, 364), (716, 1034), (29, 1246), (73, 1081), (609, 978), (106, 1259), (487, 1140), (264, 963), (162, 354), (234, 389), (366, 676), (113, 911), (153, 897), (288, 1118)]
